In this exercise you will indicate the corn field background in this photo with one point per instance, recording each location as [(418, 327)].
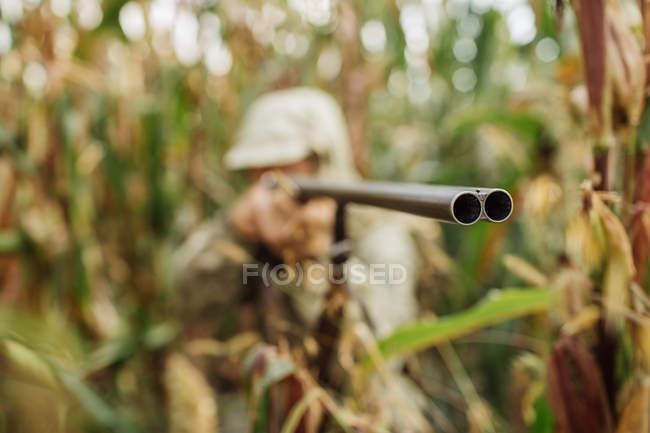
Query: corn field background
[(114, 119)]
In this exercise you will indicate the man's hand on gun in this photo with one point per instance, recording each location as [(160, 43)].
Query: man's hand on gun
[(291, 229)]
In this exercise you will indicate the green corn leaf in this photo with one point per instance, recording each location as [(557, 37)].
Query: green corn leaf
[(11, 241), (103, 413), (544, 420), (498, 306)]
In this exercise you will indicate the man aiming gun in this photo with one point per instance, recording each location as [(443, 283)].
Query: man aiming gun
[(294, 146), (299, 132)]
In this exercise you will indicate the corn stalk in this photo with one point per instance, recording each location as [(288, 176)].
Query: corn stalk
[(585, 387)]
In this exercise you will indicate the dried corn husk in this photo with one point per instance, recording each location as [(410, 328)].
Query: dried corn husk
[(544, 193), (191, 403), (584, 242), (642, 338), (634, 418), (619, 267), (614, 65)]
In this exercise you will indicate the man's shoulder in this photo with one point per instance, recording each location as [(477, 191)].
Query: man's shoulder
[(212, 237)]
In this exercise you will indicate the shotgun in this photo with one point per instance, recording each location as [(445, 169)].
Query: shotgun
[(453, 204)]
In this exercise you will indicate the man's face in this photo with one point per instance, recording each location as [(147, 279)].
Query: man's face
[(291, 229)]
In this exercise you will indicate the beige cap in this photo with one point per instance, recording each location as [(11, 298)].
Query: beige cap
[(286, 126)]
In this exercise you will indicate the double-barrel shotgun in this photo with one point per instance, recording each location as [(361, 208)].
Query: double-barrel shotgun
[(464, 205)]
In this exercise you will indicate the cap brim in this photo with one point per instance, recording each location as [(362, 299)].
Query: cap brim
[(243, 156)]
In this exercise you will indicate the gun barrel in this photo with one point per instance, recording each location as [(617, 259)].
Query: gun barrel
[(453, 204)]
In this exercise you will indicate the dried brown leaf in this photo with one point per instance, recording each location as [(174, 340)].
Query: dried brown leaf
[(591, 23), (576, 390), (626, 65), (274, 374), (614, 66), (525, 270)]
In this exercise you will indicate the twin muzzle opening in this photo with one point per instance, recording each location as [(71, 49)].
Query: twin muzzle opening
[(493, 205)]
